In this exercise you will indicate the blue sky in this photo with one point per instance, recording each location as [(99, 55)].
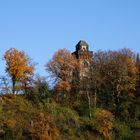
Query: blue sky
[(41, 27)]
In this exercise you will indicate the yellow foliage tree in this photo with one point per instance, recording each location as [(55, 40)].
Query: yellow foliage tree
[(18, 66)]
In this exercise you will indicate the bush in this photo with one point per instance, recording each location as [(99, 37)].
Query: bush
[(104, 123), (122, 131), (21, 120)]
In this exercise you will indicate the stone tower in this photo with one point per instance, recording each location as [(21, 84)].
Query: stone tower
[(84, 56)]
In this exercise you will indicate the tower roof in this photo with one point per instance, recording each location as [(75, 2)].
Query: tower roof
[(82, 50), (81, 43)]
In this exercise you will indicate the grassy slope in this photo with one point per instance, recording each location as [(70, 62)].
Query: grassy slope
[(20, 119)]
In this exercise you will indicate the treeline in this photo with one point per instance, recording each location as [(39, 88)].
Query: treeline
[(105, 104)]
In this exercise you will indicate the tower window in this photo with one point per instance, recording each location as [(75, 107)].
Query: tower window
[(84, 48), (85, 64)]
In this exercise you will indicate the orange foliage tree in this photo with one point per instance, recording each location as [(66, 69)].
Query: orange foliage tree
[(61, 67), (18, 66), (104, 123)]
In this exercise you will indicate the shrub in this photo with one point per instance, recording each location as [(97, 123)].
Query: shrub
[(104, 123), (122, 131)]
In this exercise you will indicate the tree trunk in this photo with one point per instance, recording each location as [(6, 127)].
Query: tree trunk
[(95, 99), (14, 83), (89, 103)]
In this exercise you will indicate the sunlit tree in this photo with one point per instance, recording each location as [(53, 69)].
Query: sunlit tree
[(18, 66), (62, 65)]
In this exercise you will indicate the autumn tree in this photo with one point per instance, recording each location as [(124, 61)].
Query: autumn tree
[(104, 123), (123, 81), (136, 109), (18, 66), (117, 78), (61, 68)]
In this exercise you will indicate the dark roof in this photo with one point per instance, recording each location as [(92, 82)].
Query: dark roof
[(81, 43)]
